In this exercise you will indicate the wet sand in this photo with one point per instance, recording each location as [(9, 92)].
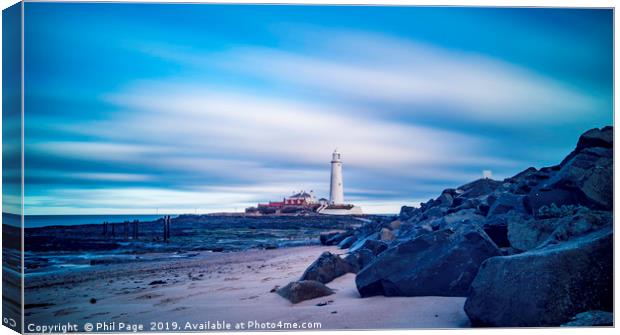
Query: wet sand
[(226, 287)]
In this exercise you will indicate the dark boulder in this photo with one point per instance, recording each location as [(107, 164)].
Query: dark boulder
[(407, 212), (327, 268), (526, 234), (409, 231), (499, 235), (372, 244), (508, 202), (496, 227), (582, 223), (523, 175), (529, 234), (545, 286), (544, 196), (461, 217), (478, 188), (445, 199), (324, 237), (436, 212), (337, 238), (347, 242), (299, 291), (359, 259), (464, 203), (591, 319), (441, 263), (603, 138), (584, 177), (353, 261)]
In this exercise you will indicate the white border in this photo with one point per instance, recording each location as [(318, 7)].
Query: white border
[(489, 3)]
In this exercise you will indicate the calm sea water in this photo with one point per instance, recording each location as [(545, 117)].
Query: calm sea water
[(33, 221)]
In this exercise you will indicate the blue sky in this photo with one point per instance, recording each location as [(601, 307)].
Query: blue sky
[(136, 107)]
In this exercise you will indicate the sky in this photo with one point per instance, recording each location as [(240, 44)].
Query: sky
[(144, 108)]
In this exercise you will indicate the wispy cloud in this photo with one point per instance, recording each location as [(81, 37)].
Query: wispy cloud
[(380, 68), (250, 123)]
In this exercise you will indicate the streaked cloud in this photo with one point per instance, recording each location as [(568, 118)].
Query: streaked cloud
[(206, 123)]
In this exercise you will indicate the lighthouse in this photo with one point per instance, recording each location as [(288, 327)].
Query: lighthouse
[(336, 189), (336, 205)]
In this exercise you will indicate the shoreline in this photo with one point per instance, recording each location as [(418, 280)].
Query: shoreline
[(233, 287)]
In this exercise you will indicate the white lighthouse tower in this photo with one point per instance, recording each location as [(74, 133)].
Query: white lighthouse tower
[(336, 204), (336, 189)]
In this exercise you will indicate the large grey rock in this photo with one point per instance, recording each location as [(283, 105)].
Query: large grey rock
[(409, 231), (347, 242), (338, 237), (441, 263), (580, 224), (359, 259), (436, 212), (299, 291), (445, 199), (545, 286), (529, 234), (460, 217), (372, 243), (603, 138), (584, 177), (508, 202), (526, 234), (496, 227), (324, 237), (327, 268), (591, 175), (591, 319), (544, 195), (478, 188), (407, 212)]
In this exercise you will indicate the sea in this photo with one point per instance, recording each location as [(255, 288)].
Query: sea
[(32, 221), (56, 243)]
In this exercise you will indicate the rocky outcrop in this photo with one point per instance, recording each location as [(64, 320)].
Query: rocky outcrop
[(544, 286), (327, 268), (442, 263), (299, 291), (543, 238), (585, 176), (529, 234)]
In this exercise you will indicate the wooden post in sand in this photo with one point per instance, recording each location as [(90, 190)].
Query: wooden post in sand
[(135, 229), (166, 229), (105, 228)]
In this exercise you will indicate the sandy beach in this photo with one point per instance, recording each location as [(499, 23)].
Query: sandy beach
[(230, 287)]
